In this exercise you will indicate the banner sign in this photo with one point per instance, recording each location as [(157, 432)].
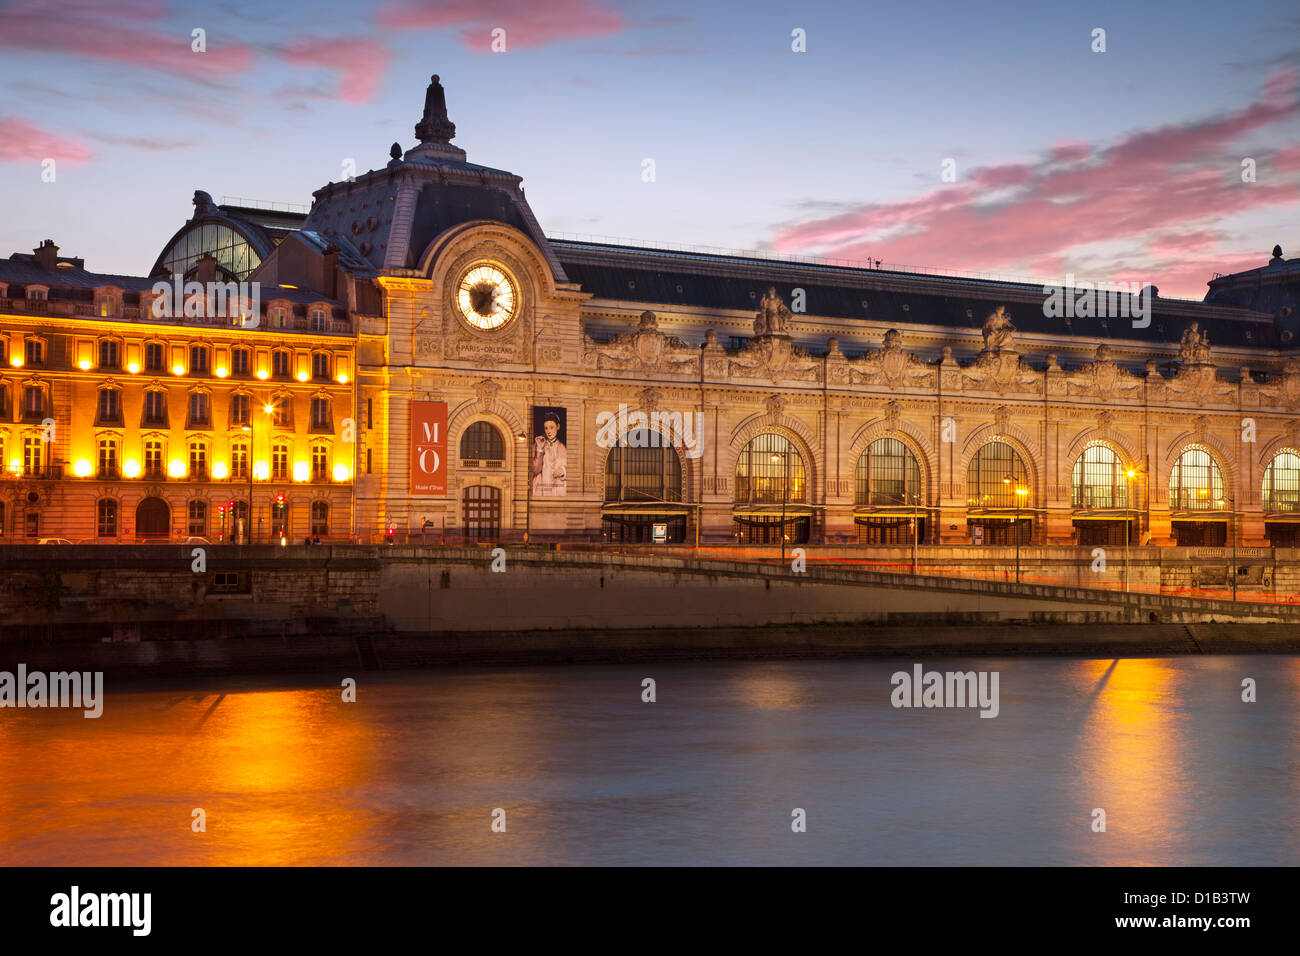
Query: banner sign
[(428, 448)]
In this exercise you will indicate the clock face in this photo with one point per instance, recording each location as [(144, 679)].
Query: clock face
[(486, 298)]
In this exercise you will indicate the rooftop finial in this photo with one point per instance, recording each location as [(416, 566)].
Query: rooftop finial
[(434, 127)]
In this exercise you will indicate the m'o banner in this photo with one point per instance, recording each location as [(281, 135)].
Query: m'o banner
[(428, 448)]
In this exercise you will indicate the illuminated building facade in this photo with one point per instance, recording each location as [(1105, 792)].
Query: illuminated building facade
[(626, 394)]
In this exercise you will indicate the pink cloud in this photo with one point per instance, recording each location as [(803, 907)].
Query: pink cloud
[(1160, 191), (130, 32), (527, 23), (21, 142), (360, 61)]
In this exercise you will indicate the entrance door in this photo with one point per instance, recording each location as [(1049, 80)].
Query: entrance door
[(153, 519), (481, 508)]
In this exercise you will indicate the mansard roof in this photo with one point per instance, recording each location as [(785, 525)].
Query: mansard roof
[(720, 281)]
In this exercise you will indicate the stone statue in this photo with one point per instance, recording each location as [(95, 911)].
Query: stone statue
[(1190, 345), (997, 330), (893, 341), (772, 314)]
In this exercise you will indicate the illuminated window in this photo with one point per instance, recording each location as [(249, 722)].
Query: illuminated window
[(1100, 480), (986, 478), (239, 460), (153, 459), (198, 461), (240, 361), (318, 320), (279, 318), (320, 365), (635, 471), (770, 470), (282, 412), (153, 357), (280, 463), (1281, 483), (1195, 484), (106, 518), (34, 350), (320, 463), (33, 456), (482, 442), (236, 258), (33, 401), (107, 458), (280, 363), (887, 474), (107, 306), (199, 358)]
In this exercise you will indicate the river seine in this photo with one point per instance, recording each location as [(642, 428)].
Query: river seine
[(712, 772)]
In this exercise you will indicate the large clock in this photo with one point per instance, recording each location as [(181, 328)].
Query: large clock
[(486, 298)]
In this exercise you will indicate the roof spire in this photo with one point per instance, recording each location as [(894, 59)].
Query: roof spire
[(435, 130)]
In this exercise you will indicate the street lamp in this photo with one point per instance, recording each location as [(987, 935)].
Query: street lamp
[(528, 476), (785, 495), (1128, 520), (916, 501), (1020, 493), (248, 464), (1232, 529)]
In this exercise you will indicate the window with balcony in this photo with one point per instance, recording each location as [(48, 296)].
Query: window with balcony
[(200, 411), (110, 354), (33, 456), (107, 306), (481, 442), (318, 320), (155, 407), (320, 463), (321, 419), (240, 410), (109, 409), (198, 461), (280, 463), (239, 460), (107, 458)]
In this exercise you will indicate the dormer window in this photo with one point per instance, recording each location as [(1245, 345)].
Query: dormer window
[(36, 293), (318, 320), (279, 317), (107, 306)]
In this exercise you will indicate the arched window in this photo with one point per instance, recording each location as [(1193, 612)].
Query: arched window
[(1195, 484), (888, 474), (995, 473), (643, 467), (770, 470), (482, 442), (1282, 483), (106, 518), (1100, 480)]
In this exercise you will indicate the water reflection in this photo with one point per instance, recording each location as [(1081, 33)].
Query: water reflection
[(587, 773)]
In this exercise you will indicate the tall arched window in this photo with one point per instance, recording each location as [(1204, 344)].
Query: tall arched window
[(643, 467), (1100, 480), (1195, 484), (995, 473), (1282, 483), (888, 474), (482, 442), (770, 470)]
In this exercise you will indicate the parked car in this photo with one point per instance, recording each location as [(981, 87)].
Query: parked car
[(54, 541)]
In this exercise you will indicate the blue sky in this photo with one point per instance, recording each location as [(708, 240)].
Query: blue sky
[(1116, 165)]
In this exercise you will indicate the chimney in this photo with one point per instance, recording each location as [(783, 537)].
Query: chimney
[(207, 268), (331, 276), (47, 255)]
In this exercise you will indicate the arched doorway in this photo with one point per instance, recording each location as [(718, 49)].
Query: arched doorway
[(481, 512), (153, 519)]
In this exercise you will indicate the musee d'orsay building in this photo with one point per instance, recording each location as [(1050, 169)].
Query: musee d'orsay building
[(424, 357)]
